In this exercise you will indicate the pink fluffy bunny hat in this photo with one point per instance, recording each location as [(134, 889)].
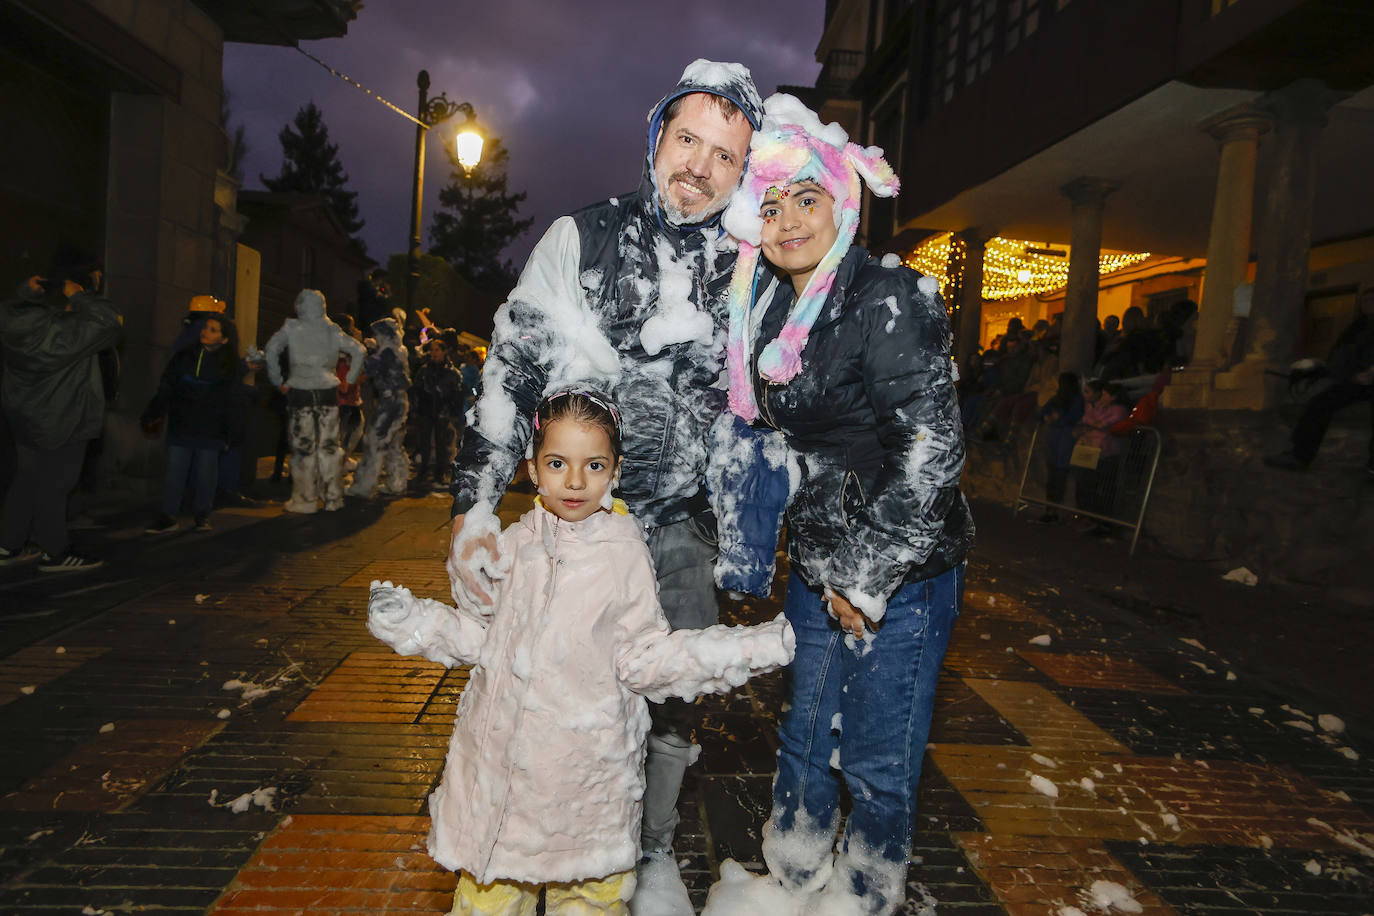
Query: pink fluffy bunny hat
[(791, 146)]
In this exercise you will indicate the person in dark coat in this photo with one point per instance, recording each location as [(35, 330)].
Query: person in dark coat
[(850, 358), (202, 395), (436, 398), (1351, 367), (52, 333)]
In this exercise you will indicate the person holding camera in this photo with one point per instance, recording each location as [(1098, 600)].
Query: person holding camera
[(51, 334)]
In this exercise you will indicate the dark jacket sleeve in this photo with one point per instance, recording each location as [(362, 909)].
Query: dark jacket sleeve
[(908, 375)]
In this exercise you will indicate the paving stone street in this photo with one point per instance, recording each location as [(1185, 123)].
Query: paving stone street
[(206, 726)]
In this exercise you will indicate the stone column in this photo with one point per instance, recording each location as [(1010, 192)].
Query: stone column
[(971, 297), (1237, 132), (1284, 241), (1079, 336)]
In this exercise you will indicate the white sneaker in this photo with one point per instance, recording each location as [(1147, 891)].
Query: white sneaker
[(301, 507), (659, 890)]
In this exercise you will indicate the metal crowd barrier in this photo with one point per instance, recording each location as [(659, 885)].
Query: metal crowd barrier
[(1116, 493)]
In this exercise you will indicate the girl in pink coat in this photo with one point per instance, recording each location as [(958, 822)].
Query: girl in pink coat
[(544, 777)]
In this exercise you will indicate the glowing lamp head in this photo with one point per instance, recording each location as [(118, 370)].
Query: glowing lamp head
[(468, 145), (1023, 276)]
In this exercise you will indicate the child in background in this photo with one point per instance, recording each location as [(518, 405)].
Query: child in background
[(1094, 488), (350, 409), (545, 772), (436, 399), (201, 395)]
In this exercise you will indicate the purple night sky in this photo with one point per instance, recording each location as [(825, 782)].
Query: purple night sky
[(565, 85)]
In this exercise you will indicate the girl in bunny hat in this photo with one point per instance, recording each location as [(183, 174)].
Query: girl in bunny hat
[(849, 357)]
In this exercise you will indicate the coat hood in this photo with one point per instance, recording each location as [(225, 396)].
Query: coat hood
[(310, 305), (793, 145), (728, 80)]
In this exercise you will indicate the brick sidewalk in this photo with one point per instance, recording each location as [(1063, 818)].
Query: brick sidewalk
[(223, 736)]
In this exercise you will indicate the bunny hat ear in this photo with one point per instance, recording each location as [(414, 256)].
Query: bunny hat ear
[(873, 168)]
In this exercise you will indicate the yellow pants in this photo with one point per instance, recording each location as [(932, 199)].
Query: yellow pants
[(608, 896)]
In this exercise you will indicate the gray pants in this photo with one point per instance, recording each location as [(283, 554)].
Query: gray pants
[(36, 504), (687, 591), (315, 458)]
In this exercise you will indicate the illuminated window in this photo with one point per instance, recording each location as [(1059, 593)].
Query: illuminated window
[(1012, 268)]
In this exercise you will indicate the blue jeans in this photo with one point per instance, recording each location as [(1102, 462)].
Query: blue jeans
[(870, 704), (182, 460)]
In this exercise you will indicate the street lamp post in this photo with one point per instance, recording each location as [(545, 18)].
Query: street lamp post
[(431, 113)]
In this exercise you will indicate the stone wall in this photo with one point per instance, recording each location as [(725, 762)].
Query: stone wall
[(1215, 501), (160, 212)]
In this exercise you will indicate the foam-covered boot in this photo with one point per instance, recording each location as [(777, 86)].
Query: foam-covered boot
[(659, 890), (739, 892)]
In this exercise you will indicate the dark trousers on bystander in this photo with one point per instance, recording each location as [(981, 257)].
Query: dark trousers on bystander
[(199, 463), (36, 504), (1316, 417), (434, 435)]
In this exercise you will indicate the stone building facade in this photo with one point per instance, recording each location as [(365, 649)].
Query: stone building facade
[(115, 105)]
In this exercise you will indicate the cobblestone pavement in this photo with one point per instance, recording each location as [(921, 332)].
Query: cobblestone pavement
[(205, 726)]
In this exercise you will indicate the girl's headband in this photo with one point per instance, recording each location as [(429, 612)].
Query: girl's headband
[(596, 399)]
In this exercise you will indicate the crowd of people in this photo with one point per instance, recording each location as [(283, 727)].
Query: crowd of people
[(214, 401), (1084, 419)]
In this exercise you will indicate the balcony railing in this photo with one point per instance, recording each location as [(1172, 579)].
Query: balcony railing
[(839, 71)]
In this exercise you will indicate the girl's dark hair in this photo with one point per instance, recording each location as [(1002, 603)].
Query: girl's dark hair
[(582, 407), (228, 353)]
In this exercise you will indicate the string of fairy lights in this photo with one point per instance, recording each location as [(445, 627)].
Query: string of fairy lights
[(1012, 268)]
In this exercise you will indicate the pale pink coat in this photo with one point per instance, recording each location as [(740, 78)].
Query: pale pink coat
[(544, 777)]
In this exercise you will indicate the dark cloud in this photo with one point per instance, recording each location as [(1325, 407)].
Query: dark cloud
[(565, 85)]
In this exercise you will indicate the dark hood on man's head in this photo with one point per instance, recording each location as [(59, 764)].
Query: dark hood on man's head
[(731, 81)]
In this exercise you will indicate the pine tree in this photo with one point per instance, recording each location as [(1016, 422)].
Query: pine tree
[(477, 221), (310, 165), (235, 148)]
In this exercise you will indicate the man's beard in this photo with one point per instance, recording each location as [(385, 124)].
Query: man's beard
[(713, 203)]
